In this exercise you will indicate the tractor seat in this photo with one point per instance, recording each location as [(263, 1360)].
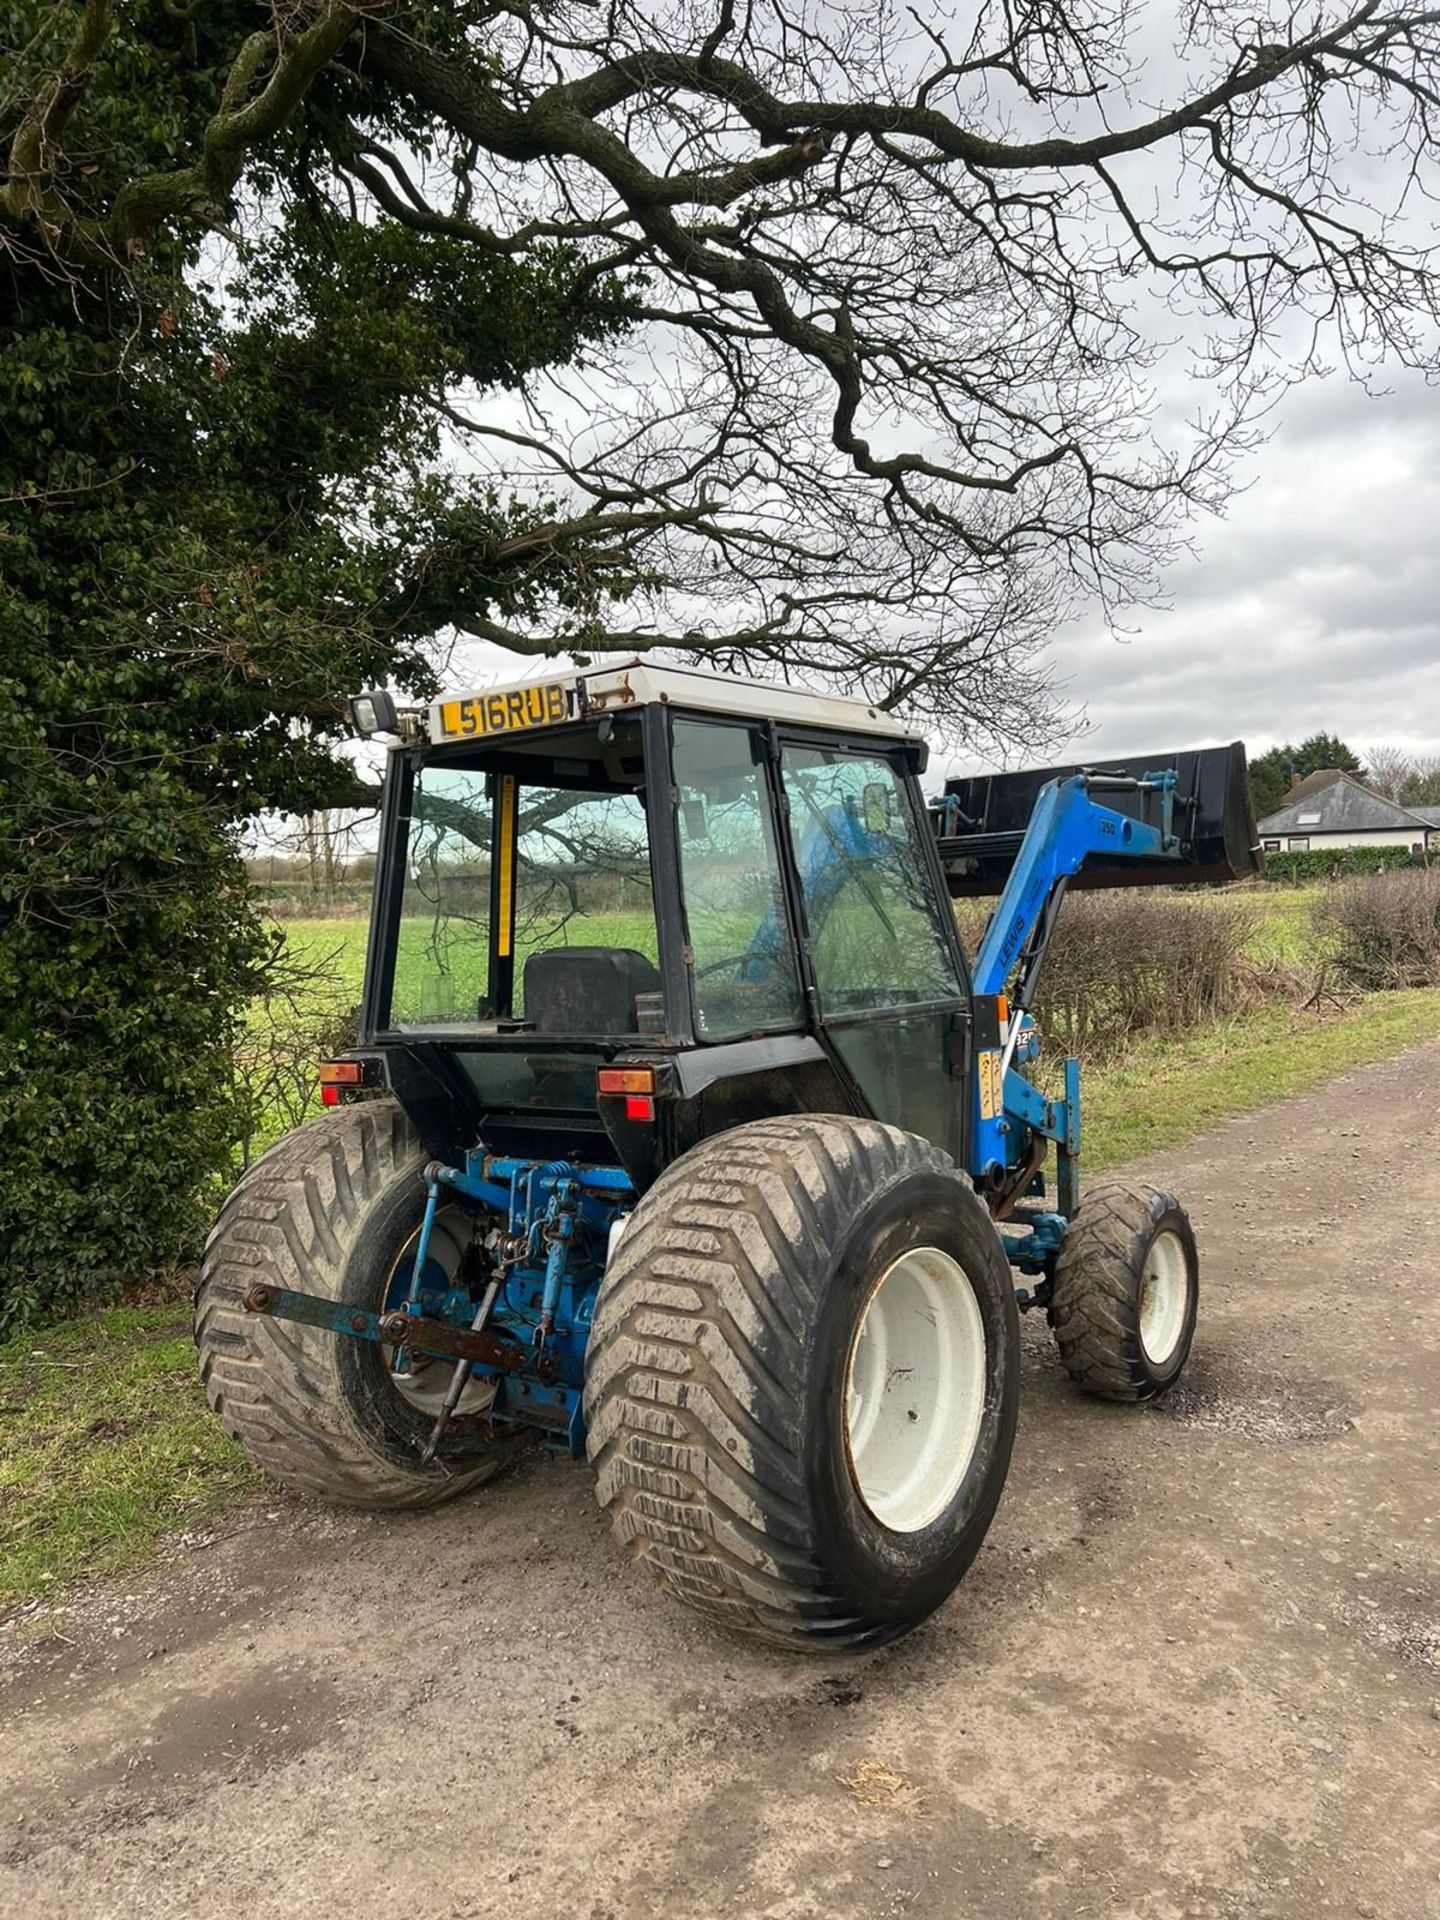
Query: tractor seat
[(587, 990)]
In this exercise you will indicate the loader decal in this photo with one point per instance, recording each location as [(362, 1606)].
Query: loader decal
[(990, 1084)]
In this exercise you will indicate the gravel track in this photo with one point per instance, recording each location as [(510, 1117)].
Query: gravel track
[(1195, 1670)]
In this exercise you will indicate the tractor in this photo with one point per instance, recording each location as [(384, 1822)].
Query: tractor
[(681, 1134)]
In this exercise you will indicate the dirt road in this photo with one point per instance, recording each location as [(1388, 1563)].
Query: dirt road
[(1195, 1671)]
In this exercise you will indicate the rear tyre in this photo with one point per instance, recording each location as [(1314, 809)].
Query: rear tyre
[(1127, 1286), (335, 1209), (802, 1380)]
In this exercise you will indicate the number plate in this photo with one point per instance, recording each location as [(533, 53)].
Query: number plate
[(481, 715)]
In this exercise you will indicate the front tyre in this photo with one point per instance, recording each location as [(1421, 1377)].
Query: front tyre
[(334, 1209), (1127, 1286), (802, 1380)]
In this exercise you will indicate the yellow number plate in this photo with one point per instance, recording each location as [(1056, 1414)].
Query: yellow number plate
[(484, 714)]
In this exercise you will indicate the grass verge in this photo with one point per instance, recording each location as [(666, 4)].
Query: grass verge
[(107, 1446), (1167, 1091)]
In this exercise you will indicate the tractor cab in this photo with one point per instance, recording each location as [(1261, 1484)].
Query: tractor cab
[(734, 886)]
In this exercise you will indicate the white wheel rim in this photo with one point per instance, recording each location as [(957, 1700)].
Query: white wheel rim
[(915, 1390), (424, 1386), (1164, 1297)]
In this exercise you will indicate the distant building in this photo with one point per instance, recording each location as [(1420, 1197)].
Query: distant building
[(1332, 809)]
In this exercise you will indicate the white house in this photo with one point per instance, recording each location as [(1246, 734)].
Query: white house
[(1332, 809)]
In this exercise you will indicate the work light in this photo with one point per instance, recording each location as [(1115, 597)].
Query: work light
[(372, 713)]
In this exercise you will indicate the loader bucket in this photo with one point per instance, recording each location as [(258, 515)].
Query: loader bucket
[(983, 820)]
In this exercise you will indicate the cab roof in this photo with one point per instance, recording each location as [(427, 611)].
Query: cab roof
[(633, 683)]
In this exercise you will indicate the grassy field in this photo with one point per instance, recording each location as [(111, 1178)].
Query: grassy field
[(1283, 929), (1167, 1091), (335, 946), (109, 1448), (1283, 932)]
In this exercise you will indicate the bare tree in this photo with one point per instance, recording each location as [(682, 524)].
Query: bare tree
[(903, 286), (1409, 779), (1423, 788), (1388, 770)]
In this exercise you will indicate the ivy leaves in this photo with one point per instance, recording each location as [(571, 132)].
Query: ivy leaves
[(222, 507)]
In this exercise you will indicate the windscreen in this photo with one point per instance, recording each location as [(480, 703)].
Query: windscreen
[(877, 936), (580, 878)]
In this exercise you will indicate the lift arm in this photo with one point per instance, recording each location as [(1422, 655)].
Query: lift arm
[(1068, 825)]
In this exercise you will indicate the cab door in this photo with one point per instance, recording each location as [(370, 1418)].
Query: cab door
[(884, 956)]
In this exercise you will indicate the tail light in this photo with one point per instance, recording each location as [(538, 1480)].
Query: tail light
[(635, 1085), (335, 1074)]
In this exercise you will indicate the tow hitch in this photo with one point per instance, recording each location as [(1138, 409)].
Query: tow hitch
[(436, 1338)]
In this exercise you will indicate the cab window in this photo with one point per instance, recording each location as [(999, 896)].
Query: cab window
[(875, 931), (581, 878), (744, 969)]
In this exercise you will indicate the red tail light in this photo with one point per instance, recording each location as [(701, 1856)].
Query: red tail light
[(335, 1074)]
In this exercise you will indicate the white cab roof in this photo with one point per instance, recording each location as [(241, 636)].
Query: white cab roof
[(633, 683)]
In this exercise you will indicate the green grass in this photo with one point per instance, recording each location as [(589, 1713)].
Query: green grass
[(1284, 931), (336, 946), (1284, 923), (337, 949), (1165, 1092), (106, 1447)]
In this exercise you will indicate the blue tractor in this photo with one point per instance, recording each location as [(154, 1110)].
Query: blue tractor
[(682, 1134)]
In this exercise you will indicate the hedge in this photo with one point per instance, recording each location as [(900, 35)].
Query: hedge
[(1334, 863), (1383, 930)]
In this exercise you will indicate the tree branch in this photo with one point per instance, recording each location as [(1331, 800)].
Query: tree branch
[(200, 191), (35, 148)]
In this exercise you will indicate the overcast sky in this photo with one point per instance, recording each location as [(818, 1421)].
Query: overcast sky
[(1314, 605)]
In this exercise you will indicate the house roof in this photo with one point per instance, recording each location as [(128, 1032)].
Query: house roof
[(1312, 783), (1333, 802), (1430, 815)]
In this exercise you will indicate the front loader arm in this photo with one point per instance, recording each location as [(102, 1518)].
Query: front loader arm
[(1067, 826)]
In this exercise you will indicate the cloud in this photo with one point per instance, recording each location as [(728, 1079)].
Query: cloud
[(1313, 605)]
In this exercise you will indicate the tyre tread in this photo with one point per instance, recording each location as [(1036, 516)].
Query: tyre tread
[(710, 1497), (1092, 1307), (294, 1217)]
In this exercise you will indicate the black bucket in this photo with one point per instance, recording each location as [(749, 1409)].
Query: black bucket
[(982, 822)]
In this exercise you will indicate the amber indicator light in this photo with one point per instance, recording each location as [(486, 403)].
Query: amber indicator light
[(626, 1080)]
